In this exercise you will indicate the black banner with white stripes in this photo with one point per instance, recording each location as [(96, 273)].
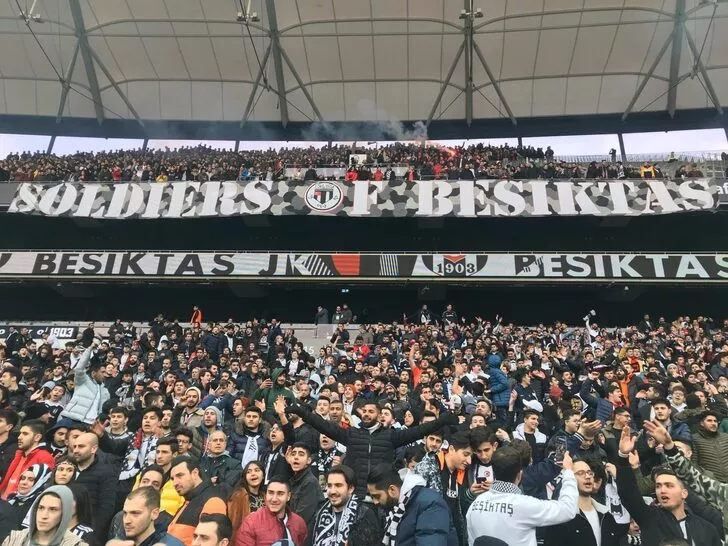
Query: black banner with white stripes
[(137, 266)]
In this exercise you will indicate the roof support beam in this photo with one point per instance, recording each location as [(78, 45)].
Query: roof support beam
[(677, 41), (303, 87), (494, 83), (701, 68), (116, 87), (261, 72), (469, 41), (445, 84), (647, 77), (67, 83), (275, 42), (86, 54)]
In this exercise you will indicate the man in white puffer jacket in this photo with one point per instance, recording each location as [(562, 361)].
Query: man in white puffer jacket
[(528, 431), (90, 393), (503, 512)]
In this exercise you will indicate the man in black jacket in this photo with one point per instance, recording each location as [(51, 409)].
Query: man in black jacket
[(8, 439), (592, 520), (371, 443), (670, 518), (99, 478), (306, 496)]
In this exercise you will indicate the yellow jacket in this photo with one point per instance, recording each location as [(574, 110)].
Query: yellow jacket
[(171, 500)]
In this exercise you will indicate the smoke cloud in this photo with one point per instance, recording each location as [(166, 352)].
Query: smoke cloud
[(379, 126)]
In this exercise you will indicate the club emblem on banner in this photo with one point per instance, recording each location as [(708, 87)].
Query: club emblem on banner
[(455, 265), (324, 196)]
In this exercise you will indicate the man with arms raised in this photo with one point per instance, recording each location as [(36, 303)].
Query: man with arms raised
[(371, 443), (594, 524), (668, 520), (505, 513)]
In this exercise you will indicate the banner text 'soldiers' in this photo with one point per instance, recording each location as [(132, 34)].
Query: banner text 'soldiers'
[(367, 199)]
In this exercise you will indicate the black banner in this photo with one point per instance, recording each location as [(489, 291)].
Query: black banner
[(35, 331)]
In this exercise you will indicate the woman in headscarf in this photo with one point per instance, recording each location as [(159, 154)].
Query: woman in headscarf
[(248, 495), (64, 473), (48, 522), (30, 486)]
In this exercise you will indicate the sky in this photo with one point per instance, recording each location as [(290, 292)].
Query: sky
[(708, 140)]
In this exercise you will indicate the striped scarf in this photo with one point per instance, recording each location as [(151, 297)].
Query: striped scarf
[(393, 519)]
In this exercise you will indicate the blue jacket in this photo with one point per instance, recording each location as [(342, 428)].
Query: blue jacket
[(499, 389), (214, 344), (426, 521), (680, 431), (604, 408)]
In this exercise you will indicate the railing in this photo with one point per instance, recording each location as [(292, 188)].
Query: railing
[(679, 157)]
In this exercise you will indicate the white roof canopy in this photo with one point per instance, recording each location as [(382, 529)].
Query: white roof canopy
[(360, 60)]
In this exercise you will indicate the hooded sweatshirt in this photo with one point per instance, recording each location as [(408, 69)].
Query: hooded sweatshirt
[(62, 536), (270, 395)]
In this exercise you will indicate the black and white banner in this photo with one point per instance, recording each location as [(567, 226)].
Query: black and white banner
[(137, 266), (398, 198), (35, 331), (721, 187)]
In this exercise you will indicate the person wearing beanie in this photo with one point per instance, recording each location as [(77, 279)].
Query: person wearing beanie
[(49, 517), (211, 421), (188, 412)]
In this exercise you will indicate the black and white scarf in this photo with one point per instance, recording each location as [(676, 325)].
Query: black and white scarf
[(327, 532), (411, 480), (393, 519), (324, 460), (251, 449)]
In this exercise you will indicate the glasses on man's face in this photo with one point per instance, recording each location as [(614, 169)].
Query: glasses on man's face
[(581, 473)]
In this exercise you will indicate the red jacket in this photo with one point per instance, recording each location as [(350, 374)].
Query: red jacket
[(20, 464), (263, 528)]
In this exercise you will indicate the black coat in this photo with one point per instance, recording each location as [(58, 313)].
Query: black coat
[(657, 524), (578, 530), (8, 519), (7, 452), (100, 479), (367, 449)]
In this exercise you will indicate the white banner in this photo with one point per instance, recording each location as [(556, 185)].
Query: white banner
[(137, 265), (397, 198)]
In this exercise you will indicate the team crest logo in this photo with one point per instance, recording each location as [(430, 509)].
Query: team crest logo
[(455, 265), (324, 196)]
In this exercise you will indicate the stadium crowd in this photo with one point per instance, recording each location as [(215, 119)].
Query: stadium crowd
[(441, 430), (427, 161)]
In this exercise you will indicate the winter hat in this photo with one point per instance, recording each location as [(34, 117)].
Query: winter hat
[(217, 412), (198, 391)]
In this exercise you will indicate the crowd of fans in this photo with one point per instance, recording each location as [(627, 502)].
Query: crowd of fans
[(440, 430), (425, 161)]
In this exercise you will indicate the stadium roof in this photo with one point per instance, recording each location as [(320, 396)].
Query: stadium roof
[(167, 68)]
